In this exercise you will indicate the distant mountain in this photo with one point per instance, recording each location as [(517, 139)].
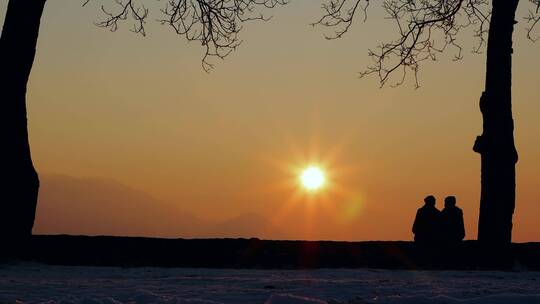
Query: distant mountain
[(99, 206), (96, 206)]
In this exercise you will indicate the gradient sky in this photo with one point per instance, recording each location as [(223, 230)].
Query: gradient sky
[(117, 111)]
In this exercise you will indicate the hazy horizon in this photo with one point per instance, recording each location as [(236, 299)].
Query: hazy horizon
[(183, 144)]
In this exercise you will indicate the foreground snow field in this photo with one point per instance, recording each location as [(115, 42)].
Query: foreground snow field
[(35, 283)]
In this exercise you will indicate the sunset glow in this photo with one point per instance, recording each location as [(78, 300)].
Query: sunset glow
[(162, 148)]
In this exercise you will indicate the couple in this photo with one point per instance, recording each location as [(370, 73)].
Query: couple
[(432, 226)]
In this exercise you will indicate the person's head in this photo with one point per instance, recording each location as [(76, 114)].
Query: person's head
[(430, 200), (450, 201)]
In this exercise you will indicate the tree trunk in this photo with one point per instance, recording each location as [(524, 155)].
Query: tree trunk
[(19, 181), (496, 144)]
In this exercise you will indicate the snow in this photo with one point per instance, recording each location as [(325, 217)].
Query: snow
[(36, 283)]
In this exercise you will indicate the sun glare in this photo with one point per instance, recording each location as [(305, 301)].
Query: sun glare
[(312, 178)]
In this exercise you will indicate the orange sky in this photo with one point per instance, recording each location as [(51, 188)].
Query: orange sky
[(132, 137)]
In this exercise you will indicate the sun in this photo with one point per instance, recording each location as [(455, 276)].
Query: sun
[(312, 178)]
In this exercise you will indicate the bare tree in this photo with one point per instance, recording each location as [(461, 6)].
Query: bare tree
[(428, 27), (213, 23), (216, 24)]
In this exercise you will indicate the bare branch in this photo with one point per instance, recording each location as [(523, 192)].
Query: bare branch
[(126, 8), (425, 27), (533, 18), (216, 24), (339, 15)]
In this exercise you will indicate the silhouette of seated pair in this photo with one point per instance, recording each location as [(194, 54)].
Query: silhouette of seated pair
[(434, 227)]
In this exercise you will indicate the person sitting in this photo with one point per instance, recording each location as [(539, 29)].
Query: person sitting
[(452, 224), (426, 227)]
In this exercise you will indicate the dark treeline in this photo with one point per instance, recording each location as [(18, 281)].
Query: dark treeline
[(255, 253)]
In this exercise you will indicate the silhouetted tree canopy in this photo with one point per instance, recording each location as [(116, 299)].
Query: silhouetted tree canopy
[(214, 23), (425, 28)]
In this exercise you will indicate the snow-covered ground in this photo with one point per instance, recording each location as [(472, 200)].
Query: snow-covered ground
[(34, 283)]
